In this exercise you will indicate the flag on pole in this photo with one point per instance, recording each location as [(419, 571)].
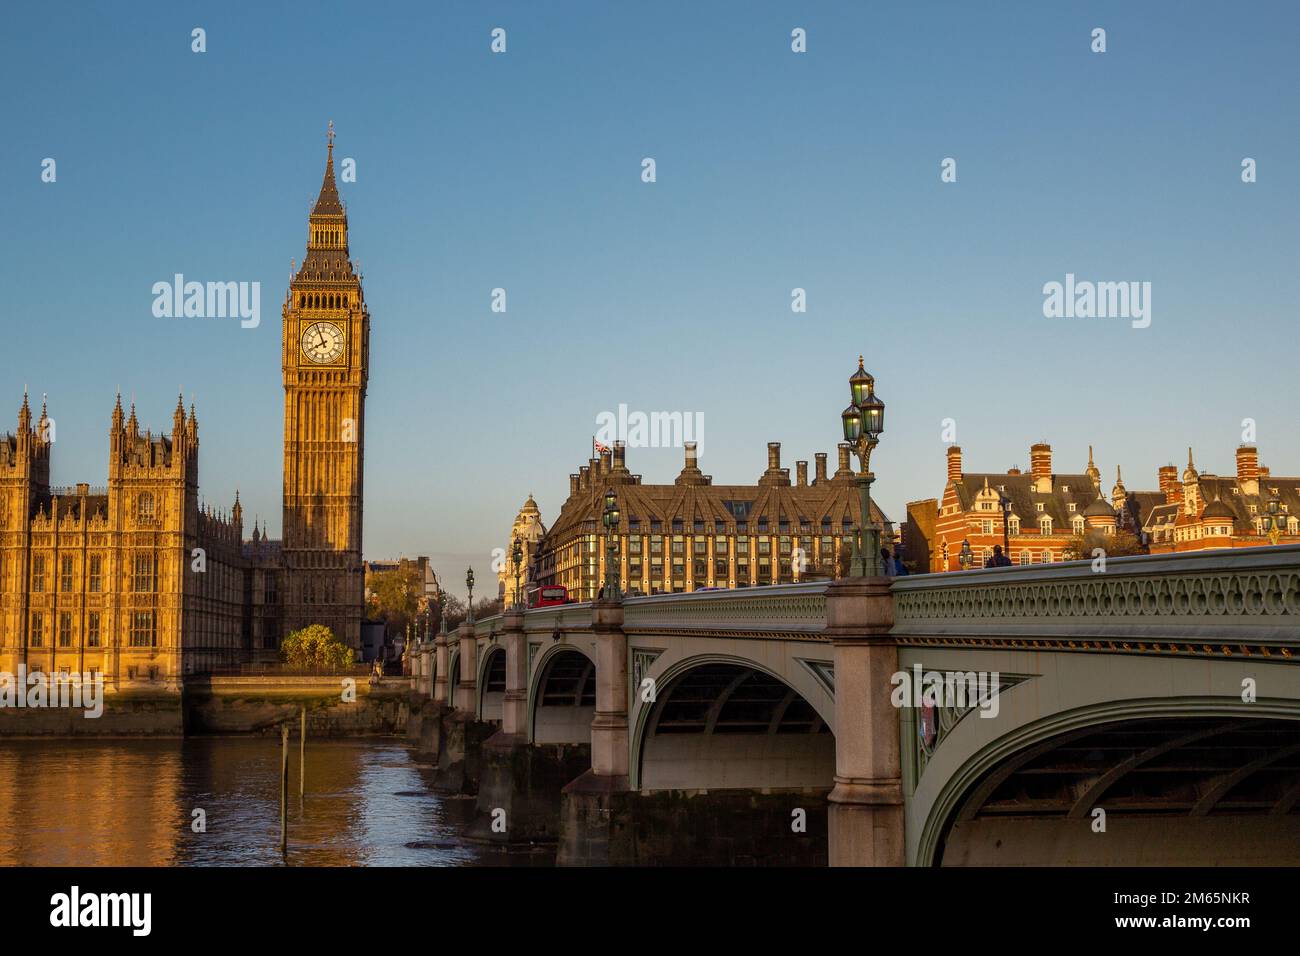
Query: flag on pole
[(599, 449)]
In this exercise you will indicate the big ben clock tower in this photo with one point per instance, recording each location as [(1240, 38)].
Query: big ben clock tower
[(326, 361)]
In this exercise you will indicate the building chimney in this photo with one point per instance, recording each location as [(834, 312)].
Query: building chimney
[(605, 461), (844, 471), (573, 485), (801, 473), (1169, 486), (690, 470), (1264, 472), (774, 456), (821, 467), (620, 456), (785, 477), (954, 463), (584, 477), (1248, 469), (1040, 466)]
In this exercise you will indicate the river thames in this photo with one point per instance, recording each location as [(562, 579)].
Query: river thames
[(133, 802)]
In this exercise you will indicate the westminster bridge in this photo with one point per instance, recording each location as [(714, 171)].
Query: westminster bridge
[(1148, 713)]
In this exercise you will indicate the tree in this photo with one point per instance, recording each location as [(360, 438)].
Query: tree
[(1081, 546), (394, 597), (315, 646), (484, 607)]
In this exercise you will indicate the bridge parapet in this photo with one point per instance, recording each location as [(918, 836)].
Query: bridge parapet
[(1224, 602), (784, 611)]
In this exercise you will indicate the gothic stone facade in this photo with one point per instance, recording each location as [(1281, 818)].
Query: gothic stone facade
[(137, 581)]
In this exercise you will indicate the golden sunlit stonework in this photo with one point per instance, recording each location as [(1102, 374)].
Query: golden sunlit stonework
[(140, 583)]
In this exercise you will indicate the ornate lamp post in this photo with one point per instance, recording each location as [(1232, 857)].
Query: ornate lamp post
[(610, 519), (945, 555), (1006, 526), (442, 612), (1274, 522), (516, 558), (965, 558), (469, 585), (863, 422)]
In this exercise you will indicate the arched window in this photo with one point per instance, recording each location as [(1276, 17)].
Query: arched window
[(144, 506)]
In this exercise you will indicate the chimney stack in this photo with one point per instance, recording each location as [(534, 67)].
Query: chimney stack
[(573, 485), (844, 471), (954, 463), (774, 456), (821, 467), (1248, 469), (690, 470), (584, 477), (605, 460), (1040, 466), (1169, 486), (801, 473), (620, 456), (1264, 472)]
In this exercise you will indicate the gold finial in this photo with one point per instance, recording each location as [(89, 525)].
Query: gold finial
[(859, 360)]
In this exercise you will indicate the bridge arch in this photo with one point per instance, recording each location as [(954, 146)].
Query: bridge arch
[(491, 682), (1177, 778), (725, 722), (453, 675), (562, 695)]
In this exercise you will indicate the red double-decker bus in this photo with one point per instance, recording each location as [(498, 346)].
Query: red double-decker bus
[(549, 596)]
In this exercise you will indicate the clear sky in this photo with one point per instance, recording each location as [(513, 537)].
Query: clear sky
[(775, 170)]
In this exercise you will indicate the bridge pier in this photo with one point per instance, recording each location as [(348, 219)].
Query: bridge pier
[(461, 733), (441, 665), (865, 826), (589, 816), (519, 779)]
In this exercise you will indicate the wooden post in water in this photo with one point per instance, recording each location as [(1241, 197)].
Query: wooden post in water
[(302, 753), (284, 787)]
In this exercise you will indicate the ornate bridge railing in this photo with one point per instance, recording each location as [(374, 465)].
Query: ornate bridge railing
[(782, 611), (1227, 602)]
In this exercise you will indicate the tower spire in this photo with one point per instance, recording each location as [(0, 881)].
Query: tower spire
[(327, 203)]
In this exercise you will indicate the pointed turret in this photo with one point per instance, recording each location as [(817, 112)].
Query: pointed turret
[(43, 425), (178, 418), (25, 417), (192, 426), (328, 203), (237, 512), (117, 413), (1092, 470), (132, 424)]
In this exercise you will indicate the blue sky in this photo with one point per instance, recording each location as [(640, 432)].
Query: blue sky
[(775, 171)]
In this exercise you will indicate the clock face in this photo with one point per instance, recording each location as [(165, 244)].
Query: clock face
[(322, 342)]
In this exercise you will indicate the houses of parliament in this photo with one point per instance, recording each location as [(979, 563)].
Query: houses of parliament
[(140, 584)]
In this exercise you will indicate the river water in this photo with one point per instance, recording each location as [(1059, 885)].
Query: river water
[(132, 802)]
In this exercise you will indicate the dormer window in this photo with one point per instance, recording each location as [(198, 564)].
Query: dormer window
[(1045, 524), (1070, 507), (1038, 506)]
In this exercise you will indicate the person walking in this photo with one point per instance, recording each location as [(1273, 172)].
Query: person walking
[(998, 559)]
